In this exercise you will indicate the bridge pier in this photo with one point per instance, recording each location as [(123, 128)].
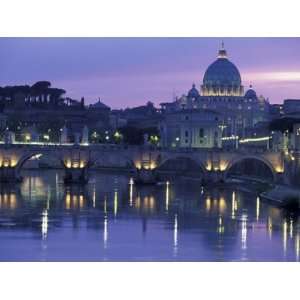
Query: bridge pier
[(9, 175), (145, 176), (76, 175), (216, 176)]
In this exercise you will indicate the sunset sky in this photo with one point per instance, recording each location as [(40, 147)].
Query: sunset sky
[(131, 71)]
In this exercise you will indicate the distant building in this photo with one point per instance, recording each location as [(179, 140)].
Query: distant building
[(145, 116), (276, 111), (3, 121), (191, 128), (291, 106), (46, 108)]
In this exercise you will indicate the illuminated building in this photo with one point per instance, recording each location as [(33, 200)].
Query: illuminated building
[(222, 91), (191, 128)]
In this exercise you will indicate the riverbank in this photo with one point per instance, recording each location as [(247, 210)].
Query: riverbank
[(277, 194)]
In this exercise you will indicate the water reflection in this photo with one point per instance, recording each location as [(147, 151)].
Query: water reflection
[(244, 232), (167, 195), (257, 208), (8, 200), (112, 219), (45, 224), (175, 235)]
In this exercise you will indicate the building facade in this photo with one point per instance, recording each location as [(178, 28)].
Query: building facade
[(191, 128)]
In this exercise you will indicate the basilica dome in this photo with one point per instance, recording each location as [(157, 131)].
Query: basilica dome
[(222, 72), (222, 78)]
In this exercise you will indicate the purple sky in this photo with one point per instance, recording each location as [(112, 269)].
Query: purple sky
[(131, 71)]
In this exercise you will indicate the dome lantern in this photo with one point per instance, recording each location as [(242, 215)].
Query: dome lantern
[(222, 52)]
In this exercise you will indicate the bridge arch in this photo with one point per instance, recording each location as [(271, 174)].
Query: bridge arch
[(111, 162), (234, 162), (28, 156), (185, 161)]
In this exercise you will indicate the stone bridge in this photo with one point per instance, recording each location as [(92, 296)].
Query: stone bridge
[(77, 159)]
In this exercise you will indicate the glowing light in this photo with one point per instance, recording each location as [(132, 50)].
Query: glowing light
[(105, 232), (257, 208), (8, 201), (208, 166), (105, 205), (94, 196), (35, 157), (131, 182), (152, 165), (116, 202), (175, 235), (27, 137), (233, 205), (250, 140), (81, 201), (229, 138), (138, 165), (279, 169), (151, 203), (270, 227), (291, 229), (68, 164), (44, 224), (223, 165), (284, 236), (244, 232), (8, 162), (167, 195), (74, 201), (222, 205), (68, 200), (12, 201), (221, 228), (208, 204)]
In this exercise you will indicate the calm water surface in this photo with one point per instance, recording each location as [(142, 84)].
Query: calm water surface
[(112, 220)]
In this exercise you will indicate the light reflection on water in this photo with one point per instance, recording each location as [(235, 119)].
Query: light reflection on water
[(112, 219)]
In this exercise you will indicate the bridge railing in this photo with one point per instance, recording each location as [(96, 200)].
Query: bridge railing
[(110, 147)]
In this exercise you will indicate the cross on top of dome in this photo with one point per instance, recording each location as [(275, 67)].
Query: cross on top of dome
[(222, 52)]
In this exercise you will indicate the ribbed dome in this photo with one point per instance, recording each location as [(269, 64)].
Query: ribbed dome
[(222, 78), (250, 94), (222, 72)]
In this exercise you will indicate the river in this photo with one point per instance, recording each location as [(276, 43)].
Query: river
[(111, 219)]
